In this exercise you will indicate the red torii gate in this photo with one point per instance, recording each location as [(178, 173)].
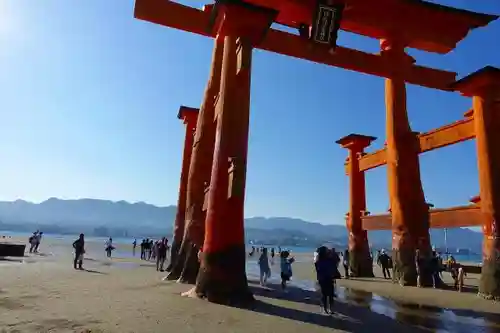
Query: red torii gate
[(239, 26)]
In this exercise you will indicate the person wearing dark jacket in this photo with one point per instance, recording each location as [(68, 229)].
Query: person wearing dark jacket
[(79, 246), (385, 261), (325, 274)]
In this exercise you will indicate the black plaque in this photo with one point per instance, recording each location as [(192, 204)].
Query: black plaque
[(326, 23)]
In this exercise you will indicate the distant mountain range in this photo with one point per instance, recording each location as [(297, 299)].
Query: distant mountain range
[(137, 219)]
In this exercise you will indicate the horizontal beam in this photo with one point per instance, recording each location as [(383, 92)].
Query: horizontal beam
[(456, 132), (455, 217), (177, 16)]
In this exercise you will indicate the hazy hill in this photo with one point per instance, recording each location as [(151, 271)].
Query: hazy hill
[(90, 212), (131, 217)]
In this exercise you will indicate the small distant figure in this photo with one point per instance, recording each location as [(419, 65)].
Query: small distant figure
[(385, 262), (461, 277), (377, 256), (325, 274), (38, 240), (345, 263), (265, 270), (161, 254), (143, 249), (32, 241), (154, 250), (134, 245), (79, 247), (109, 247), (286, 268), (167, 247), (150, 248), (272, 256), (251, 253)]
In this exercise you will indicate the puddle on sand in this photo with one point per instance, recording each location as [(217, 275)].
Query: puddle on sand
[(433, 319), (429, 318)]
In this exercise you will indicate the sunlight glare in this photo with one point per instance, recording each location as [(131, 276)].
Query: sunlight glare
[(8, 20)]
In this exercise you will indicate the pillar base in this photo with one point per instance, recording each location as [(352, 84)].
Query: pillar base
[(191, 264), (489, 285), (222, 277), (174, 253), (404, 269), (361, 264)]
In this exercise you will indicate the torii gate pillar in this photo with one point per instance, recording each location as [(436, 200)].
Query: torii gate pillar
[(410, 213), (186, 267), (360, 261), (189, 117), (484, 88), (222, 276)]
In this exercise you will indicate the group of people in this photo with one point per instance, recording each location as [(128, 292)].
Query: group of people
[(150, 250), (264, 263), (435, 266), (35, 241), (153, 250)]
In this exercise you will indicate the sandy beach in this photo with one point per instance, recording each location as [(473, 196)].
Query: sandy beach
[(43, 293)]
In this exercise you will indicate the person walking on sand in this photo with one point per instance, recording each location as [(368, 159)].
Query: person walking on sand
[(143, 249), (109, 247), (32, 241), (325, 274), (461, 277), (272, 256), (384, 261), (161, 254), (134, 245), (79, 247), (265, 270), (286, 268), (38, 240)]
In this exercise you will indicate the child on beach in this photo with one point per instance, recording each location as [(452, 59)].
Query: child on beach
[(286, 268), (265, 270)]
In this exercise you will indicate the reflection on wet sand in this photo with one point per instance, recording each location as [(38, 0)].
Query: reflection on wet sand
[(430, 318), (423, 317)]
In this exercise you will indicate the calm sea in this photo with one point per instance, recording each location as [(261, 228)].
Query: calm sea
[(475, 258)]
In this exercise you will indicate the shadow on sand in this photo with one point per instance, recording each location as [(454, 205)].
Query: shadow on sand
[(360, 311)]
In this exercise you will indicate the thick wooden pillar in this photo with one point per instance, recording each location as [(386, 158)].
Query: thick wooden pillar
[(189, 117), (410, 215), (484, 88), (222, 276), (186, 266), (360, 262)]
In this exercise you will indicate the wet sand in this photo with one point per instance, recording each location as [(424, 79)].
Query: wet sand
[(43, 293)]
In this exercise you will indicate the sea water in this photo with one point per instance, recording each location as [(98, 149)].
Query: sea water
[(122, 252)]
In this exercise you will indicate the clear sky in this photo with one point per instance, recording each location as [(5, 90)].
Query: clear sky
[(89, 98)]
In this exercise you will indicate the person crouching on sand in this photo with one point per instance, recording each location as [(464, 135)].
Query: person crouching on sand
[(79, 246), (286, 268)]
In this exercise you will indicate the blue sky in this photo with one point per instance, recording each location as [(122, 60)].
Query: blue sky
[(89, 98)]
